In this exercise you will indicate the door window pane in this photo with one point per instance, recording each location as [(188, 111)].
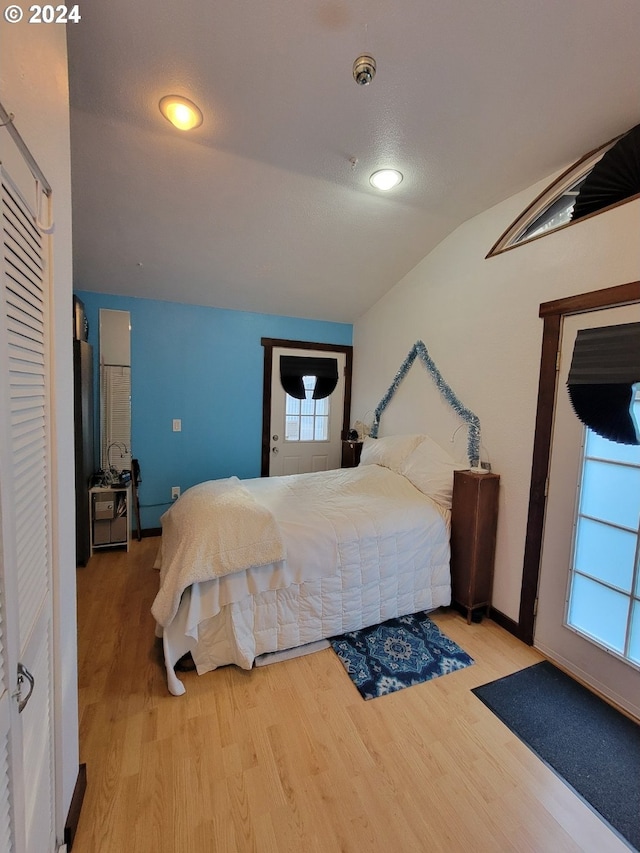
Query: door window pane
[(322, 407), (321, 429), (611, 493), (605, 449), (308, 419), (606, 553), (306, 429), (293, 405), (292, 429), (309, 383), (599, 612), (604, 589)]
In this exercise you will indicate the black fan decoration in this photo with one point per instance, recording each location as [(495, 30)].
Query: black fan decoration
[(614, 178), (604, 368)]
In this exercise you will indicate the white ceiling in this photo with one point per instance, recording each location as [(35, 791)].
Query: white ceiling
[(261, 208)]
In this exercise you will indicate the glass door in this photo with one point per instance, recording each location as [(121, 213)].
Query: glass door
[(587, 607), (604, 585)]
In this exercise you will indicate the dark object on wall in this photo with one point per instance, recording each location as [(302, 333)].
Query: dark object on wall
[(293, 368), (84, 444), (604, 368), (80, 322), (136, 479), (614, 178)]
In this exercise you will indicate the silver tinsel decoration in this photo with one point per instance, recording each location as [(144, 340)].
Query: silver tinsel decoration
[(419, 350)]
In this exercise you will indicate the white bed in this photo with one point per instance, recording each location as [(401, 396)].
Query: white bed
[(325, 553)]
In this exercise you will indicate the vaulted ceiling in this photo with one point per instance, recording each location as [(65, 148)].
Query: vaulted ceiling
[(267, 206)]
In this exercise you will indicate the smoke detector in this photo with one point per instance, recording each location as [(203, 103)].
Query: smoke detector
[(364, 70)]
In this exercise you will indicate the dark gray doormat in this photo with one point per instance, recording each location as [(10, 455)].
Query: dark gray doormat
[(593, 747)]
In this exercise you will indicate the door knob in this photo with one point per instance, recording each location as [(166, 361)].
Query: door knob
[(274, 449)]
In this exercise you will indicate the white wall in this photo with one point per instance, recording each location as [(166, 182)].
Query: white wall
[(34, 87), (479, 321)]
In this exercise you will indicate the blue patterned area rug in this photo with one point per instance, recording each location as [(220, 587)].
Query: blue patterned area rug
[(398, 653)]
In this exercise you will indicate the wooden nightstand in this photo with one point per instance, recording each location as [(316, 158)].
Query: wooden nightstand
[(474, 519), (351, 451)]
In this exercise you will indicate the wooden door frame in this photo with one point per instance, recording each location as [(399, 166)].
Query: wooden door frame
[(552, 313), (269, 344)]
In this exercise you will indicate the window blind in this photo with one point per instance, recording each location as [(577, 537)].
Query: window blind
[(115, 416), (604, 368)]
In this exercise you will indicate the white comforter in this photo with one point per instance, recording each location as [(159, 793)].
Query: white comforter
[(362, 545), (215, 529)]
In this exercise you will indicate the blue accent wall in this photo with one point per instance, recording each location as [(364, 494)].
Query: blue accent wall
[(204, 366)]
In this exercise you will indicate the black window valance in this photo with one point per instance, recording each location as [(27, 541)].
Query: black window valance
[(293, 368), (604, 368)]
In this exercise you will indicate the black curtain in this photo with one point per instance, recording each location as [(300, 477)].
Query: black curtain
[(615, 177), (293, 368), (604, 368)]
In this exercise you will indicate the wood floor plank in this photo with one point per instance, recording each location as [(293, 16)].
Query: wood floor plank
[(288, 757)]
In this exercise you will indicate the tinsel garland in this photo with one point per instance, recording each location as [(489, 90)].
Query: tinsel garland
[(419, 350)]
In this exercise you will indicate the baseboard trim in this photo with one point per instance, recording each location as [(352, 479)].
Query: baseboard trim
[(151, 531), (73, 818), (507, 623)]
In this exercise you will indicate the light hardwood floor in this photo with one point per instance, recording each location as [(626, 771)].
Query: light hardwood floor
[(289, 758)]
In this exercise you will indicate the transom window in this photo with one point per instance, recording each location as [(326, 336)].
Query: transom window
[(553, 208), (555, 214), (308, 419), (604, 585)]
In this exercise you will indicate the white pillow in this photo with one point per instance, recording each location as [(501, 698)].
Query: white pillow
[(430, 469), (390, 451)]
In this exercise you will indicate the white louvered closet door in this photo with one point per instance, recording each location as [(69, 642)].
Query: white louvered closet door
[(27, 821)]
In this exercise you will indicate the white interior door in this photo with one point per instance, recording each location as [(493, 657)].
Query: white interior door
[(27, 791), (296, 449), (11, 785), (554, 634)]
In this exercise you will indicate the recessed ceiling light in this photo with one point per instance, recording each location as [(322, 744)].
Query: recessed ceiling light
[(181, 112), (385, 179)]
